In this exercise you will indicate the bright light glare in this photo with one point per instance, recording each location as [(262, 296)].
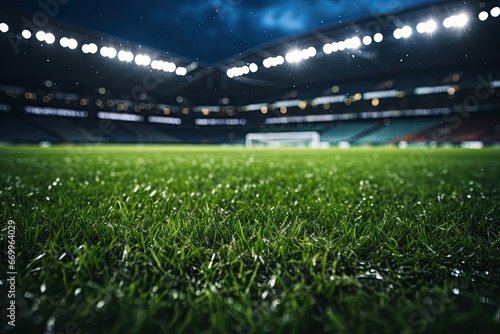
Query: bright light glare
[(483, 16), (111, 53), (495, 11), (253, 67), (293, 56), (181, 71), (169, 67), (456, 21), (4, 27), (40, 35), (378, 37), (92, 48), (404, 32), (427, 27), (142, 60), (273, 61), (125, 56), (50, 38), (104, 51), (26, 34), (64, 42), (367, 40), (72, 43), (407, 31), (327, 48), (352, 43)]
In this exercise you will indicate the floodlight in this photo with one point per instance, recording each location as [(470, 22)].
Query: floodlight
[(92, 48), (40, 35), (483, 16), (181, 71), (378, 37), (104, 51), (293, 56), (72, 43), (4, 27), (406, 31), (367, 40), (327, 48), (456, 21), (169, 67), (426, 27), (26, 34), (495, 11), (50, 38), (111, 53), (64, 41)]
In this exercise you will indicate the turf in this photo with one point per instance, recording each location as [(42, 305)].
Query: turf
[(148, 239)]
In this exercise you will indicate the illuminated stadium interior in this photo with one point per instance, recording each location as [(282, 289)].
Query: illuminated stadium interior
[(411, 68)]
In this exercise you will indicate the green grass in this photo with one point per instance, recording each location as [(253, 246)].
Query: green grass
[(221, 240)]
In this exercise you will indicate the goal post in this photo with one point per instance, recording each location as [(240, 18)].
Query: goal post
[(283, 139)]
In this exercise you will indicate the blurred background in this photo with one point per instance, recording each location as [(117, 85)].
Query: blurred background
[(407, 73)]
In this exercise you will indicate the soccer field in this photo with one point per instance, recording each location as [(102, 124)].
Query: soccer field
[(146, 239)]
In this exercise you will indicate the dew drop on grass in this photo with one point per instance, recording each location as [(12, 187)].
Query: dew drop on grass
[(457, 272)]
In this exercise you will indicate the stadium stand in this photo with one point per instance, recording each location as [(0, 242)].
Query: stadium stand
[(392, 131), (346, 132)]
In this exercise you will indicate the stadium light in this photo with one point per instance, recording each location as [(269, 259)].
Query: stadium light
[(104, 51), (378, 37), (427, 27), (181, 71), (26, 34), (40, 35), (483, 16), (169, 67), (352, 43), (367, 40), (125, 56), (293, 56), (253, 67), (4, 27), (327, 48), (64, 42), (495, 11), (273, 61), (455, 21), (92, 48), (72, 43), (50, 38), (142, 60), (404, 32)]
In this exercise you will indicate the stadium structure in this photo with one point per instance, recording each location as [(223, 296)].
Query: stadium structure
[(426, 76)]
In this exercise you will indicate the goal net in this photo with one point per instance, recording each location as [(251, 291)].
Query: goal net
[(283, 139)]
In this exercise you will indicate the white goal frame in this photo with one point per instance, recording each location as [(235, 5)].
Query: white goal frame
[(280, 139)]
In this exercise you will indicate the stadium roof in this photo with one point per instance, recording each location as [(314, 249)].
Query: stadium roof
[(301, 66)]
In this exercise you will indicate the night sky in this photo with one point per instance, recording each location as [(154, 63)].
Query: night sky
[(211, 30)]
